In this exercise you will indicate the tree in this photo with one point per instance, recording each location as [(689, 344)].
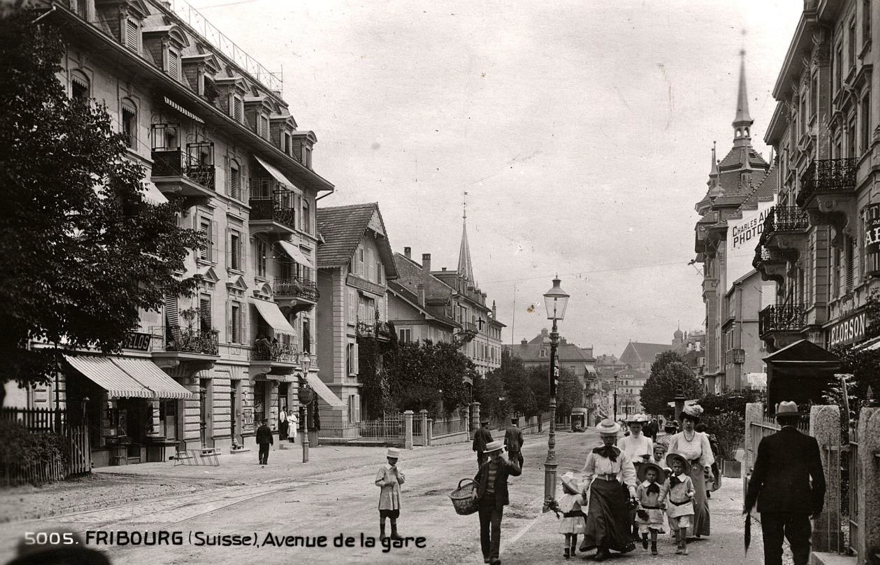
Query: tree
[(428, 376), (669, 374), (517, 387), (489, 391), (569, 392), (81, 252)]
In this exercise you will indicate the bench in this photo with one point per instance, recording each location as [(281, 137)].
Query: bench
[(203, 456)]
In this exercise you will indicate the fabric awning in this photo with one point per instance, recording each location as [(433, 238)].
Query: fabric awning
[(296, 254), (273, 316), (102, 372), (276, 174), (152, 377), (153, 195), (325, 393), (183, 110)]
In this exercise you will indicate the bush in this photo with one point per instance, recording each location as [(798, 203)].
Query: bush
[(23, 448), (729, 429)]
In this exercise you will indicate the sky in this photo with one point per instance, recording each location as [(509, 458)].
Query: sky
[(580, 130)]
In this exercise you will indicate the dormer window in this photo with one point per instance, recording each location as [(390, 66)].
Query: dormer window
[(263, 127), (287, 146), (307, 157), (132, 35), (237, 108), (173, 67)]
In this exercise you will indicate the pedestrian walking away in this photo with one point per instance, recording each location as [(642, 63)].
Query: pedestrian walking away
[(388, 479), (695, 447), (680, 495), (651, 494), (482, 438), (492, 496), (264, 440), (571, 504), (608, 524), (788, 485), (513, 441)]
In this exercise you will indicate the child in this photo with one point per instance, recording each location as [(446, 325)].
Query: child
[(659, 456), (651, 493), (573, 519), (680, 499), (389, 478)]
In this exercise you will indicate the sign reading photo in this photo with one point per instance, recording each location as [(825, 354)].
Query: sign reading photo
[(872, 240)]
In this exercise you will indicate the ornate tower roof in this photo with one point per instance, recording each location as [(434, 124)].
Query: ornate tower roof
[(743, 121), (465, 267)]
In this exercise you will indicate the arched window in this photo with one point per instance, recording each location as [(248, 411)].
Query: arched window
[(80, 86), (129, 123)]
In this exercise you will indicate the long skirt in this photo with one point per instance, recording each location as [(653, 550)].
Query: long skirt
[(608, 523), (701, 503)]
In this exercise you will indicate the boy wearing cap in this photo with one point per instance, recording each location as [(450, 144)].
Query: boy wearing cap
[(492, 495), (389, 478)]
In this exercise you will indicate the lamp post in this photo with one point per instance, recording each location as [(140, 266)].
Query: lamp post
[(305, 398), (555, 300), (615, 399)]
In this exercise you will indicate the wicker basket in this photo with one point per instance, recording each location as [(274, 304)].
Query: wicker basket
[(463, 498)]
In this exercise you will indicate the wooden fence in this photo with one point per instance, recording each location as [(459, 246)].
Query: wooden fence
[(74, 460)]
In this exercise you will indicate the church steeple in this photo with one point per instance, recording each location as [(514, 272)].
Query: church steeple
[(465, 267), (743, 122)]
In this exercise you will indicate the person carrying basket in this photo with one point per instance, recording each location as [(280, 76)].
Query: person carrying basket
[(492, 494)]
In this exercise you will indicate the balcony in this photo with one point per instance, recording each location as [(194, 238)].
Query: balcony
[(189, 174), (833, 178), (190, 346), (272, 209), (784, 220), (381, 331), (780, 325), (295, 287), (274, 357)]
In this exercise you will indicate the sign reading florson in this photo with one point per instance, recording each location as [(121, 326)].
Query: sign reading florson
[(872, 239), (849, 330)]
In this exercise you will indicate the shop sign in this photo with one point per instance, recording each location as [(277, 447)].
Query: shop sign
[(138, 341), (872, 239), (845, 332)]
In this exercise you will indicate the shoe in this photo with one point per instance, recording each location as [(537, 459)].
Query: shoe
[(645, 541), (684, 550), (383, 537), (486, 560), (653, 549), (395, 535), (601, 555), (567, 553), (678, 550)]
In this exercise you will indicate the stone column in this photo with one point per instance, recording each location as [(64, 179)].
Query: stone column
[(869, 486), (825, 427), (475, 419), (408, 419), (754, 413), (430, 430), (424, 414)]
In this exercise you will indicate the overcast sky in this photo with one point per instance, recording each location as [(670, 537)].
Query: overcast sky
[(580, 130)]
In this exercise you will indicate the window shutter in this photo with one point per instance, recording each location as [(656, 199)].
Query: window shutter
[(357, 368), (212, 243), (228, 248), (244, 243), (229, 333), (171, 314), (131, 35), (173, 65)]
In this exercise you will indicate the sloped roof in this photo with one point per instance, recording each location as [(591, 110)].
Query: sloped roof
[(633, 373), (637, 353), (343, 227), (737, 157), (436, 314), (531, 352)]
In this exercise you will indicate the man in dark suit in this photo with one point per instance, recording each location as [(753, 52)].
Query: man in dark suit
[(482, 437), (264, 440), (492, 494), (513, 440), (789, 486)]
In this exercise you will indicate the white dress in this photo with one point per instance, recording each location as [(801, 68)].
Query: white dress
[(636, 447)]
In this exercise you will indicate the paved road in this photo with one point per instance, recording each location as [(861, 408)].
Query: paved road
[(334, 494)]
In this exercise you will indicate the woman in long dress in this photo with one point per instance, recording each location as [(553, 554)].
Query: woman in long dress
[(695, 447), (608, 524)]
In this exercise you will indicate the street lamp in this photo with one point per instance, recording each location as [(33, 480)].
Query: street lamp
[(615, 399), (555, 300), (306, 395)]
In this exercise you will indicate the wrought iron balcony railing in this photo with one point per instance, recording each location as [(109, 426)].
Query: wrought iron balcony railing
[(782, 317), (269, 210), (827, 175), (786, 219), (191, 340), (175, 163), (264, 350), (295, 286)]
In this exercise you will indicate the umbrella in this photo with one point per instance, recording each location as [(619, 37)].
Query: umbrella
[(748, 531)]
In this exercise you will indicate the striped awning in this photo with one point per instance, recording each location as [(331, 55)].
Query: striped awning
[(102, 372), (273, 316), (296, 254), (276, 174), (152, 377), (325, 393), (153, 195), (183, 110)]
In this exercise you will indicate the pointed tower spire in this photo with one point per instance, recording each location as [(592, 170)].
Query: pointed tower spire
[(742, 122), (713, 172), (465, 267)]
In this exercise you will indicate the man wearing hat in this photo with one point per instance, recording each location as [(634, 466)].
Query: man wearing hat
[(264, 440), (482, 438), (789, 486), (389, 478), (492, 495), (513, 441)]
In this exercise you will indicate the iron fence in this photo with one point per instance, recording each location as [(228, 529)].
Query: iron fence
[(827, 175), (390, 426), (449, 426)]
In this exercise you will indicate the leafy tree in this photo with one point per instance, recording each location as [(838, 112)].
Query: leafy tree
[(418, 372), (517, 387), (489, 391), (81, 253), (668, 374), (539, 382), (569, 392)]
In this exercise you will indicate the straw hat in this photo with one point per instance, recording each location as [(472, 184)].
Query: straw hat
[(493, 446), (608, 428), (570, 482), (693, 411), (787, 408), (643, 469), (393, 453), (638, 419), (679, 457)]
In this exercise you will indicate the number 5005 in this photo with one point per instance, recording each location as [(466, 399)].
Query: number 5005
[(51, 538)]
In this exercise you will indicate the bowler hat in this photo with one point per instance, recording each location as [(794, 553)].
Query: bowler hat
[(678, 457), (643, 469), (484, 419), (608, 428), (493, 446), (787, 408), (393, 453)]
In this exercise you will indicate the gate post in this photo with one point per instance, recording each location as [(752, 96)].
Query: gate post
[(408, 426), (475, 419), (424, 414), (825, 427), (869, 475)]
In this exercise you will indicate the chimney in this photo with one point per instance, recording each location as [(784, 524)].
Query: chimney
[(545, 332), (563, 341), (444, 268), (407, 252), (524, 341), (494, 311), (421, 291), (426, 262)]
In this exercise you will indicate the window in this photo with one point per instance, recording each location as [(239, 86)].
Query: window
[(379, 271), (206, 227), (352, 361), (866, 21), (237, 108), (80, 86), (308, 157), (306, 217), (542, 353), (866, 122), (235, 251), (405, 335), (307, 335), (264, 127), (354, 408), (838, 68), (131, 35), (262, 258), (360, 265), (352, 306), (852, 44), (235, 180), (287, 146), (851, 139), (205, 313), (235, 323), (173, 64), (129, 123), (848, 264)]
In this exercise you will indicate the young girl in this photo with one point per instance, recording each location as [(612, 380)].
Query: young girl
[(651, 493), (571, 504), (680, 499), (389, 478)]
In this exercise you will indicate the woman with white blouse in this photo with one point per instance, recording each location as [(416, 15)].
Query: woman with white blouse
[(609, 485), (695, 447)]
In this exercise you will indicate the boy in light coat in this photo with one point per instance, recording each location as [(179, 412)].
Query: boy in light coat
[(389, 478)]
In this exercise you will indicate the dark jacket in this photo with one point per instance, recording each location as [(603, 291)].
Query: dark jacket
[(482, 437), (505, 469), (786, 463), (264, 434), (513, 439)]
